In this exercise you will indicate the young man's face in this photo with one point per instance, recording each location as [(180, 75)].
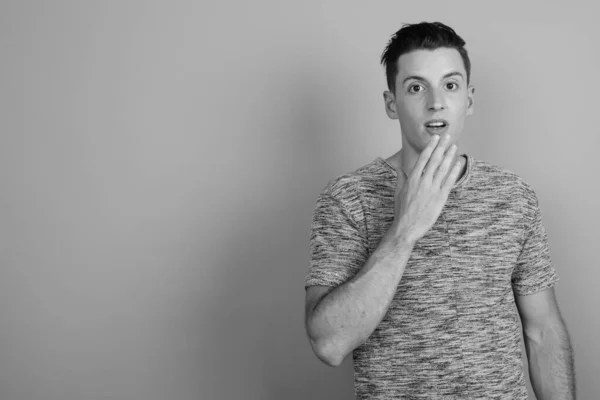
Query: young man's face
[(431, 87)]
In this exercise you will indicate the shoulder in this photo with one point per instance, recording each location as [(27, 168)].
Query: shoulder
[(363, 187), (351, 185), (487, 175)]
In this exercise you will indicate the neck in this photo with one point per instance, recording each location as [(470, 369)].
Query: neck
[(407, 157)]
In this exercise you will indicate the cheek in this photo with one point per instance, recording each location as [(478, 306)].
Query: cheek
[(464, 103), (410, 110), (460, 108)]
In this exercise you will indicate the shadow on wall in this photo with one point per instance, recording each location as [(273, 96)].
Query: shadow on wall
[(255, 339)]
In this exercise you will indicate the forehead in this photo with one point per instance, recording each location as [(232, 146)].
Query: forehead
[(430, 64)]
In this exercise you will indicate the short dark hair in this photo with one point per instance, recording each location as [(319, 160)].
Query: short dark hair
[(421, 36)]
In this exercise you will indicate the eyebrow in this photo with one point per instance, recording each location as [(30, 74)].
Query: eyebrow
[(419, 78)]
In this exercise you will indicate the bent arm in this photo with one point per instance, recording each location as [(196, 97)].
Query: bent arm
[(341, 319), (548, 347)]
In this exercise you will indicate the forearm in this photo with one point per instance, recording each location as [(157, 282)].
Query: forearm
[(551, 363), (347, 316)]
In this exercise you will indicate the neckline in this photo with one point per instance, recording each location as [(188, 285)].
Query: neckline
[(458, 183)]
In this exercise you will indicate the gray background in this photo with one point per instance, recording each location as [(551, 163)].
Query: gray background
[(160, 162)]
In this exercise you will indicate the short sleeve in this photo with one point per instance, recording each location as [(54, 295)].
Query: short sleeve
[(337, 246), (534, 271)]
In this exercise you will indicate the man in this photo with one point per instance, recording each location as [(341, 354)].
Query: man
[(419, 259)]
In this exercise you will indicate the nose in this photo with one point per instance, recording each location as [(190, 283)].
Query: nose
[(436, 100)]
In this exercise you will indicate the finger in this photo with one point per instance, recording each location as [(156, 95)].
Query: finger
[(451, 178), (444, 166), (436, 157), (424, 156)]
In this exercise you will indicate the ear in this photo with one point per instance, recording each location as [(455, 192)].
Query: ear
[(470, 99), (390, 104)]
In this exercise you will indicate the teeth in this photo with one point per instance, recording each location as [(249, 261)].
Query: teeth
[(436, 124)]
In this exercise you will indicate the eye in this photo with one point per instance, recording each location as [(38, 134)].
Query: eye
[(415, 88), (451, 86)]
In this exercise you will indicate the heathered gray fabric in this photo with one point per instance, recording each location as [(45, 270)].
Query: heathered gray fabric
[(451, 331)]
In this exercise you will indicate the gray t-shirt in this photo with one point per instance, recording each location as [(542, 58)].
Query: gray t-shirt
[(451, 331)]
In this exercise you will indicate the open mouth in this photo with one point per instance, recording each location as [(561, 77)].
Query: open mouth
[(437, 123), (436, 126)]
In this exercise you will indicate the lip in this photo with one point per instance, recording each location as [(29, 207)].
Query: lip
[(436, 131), (436, 120)]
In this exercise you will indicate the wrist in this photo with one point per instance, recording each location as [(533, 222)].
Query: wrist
[(400, 233)]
